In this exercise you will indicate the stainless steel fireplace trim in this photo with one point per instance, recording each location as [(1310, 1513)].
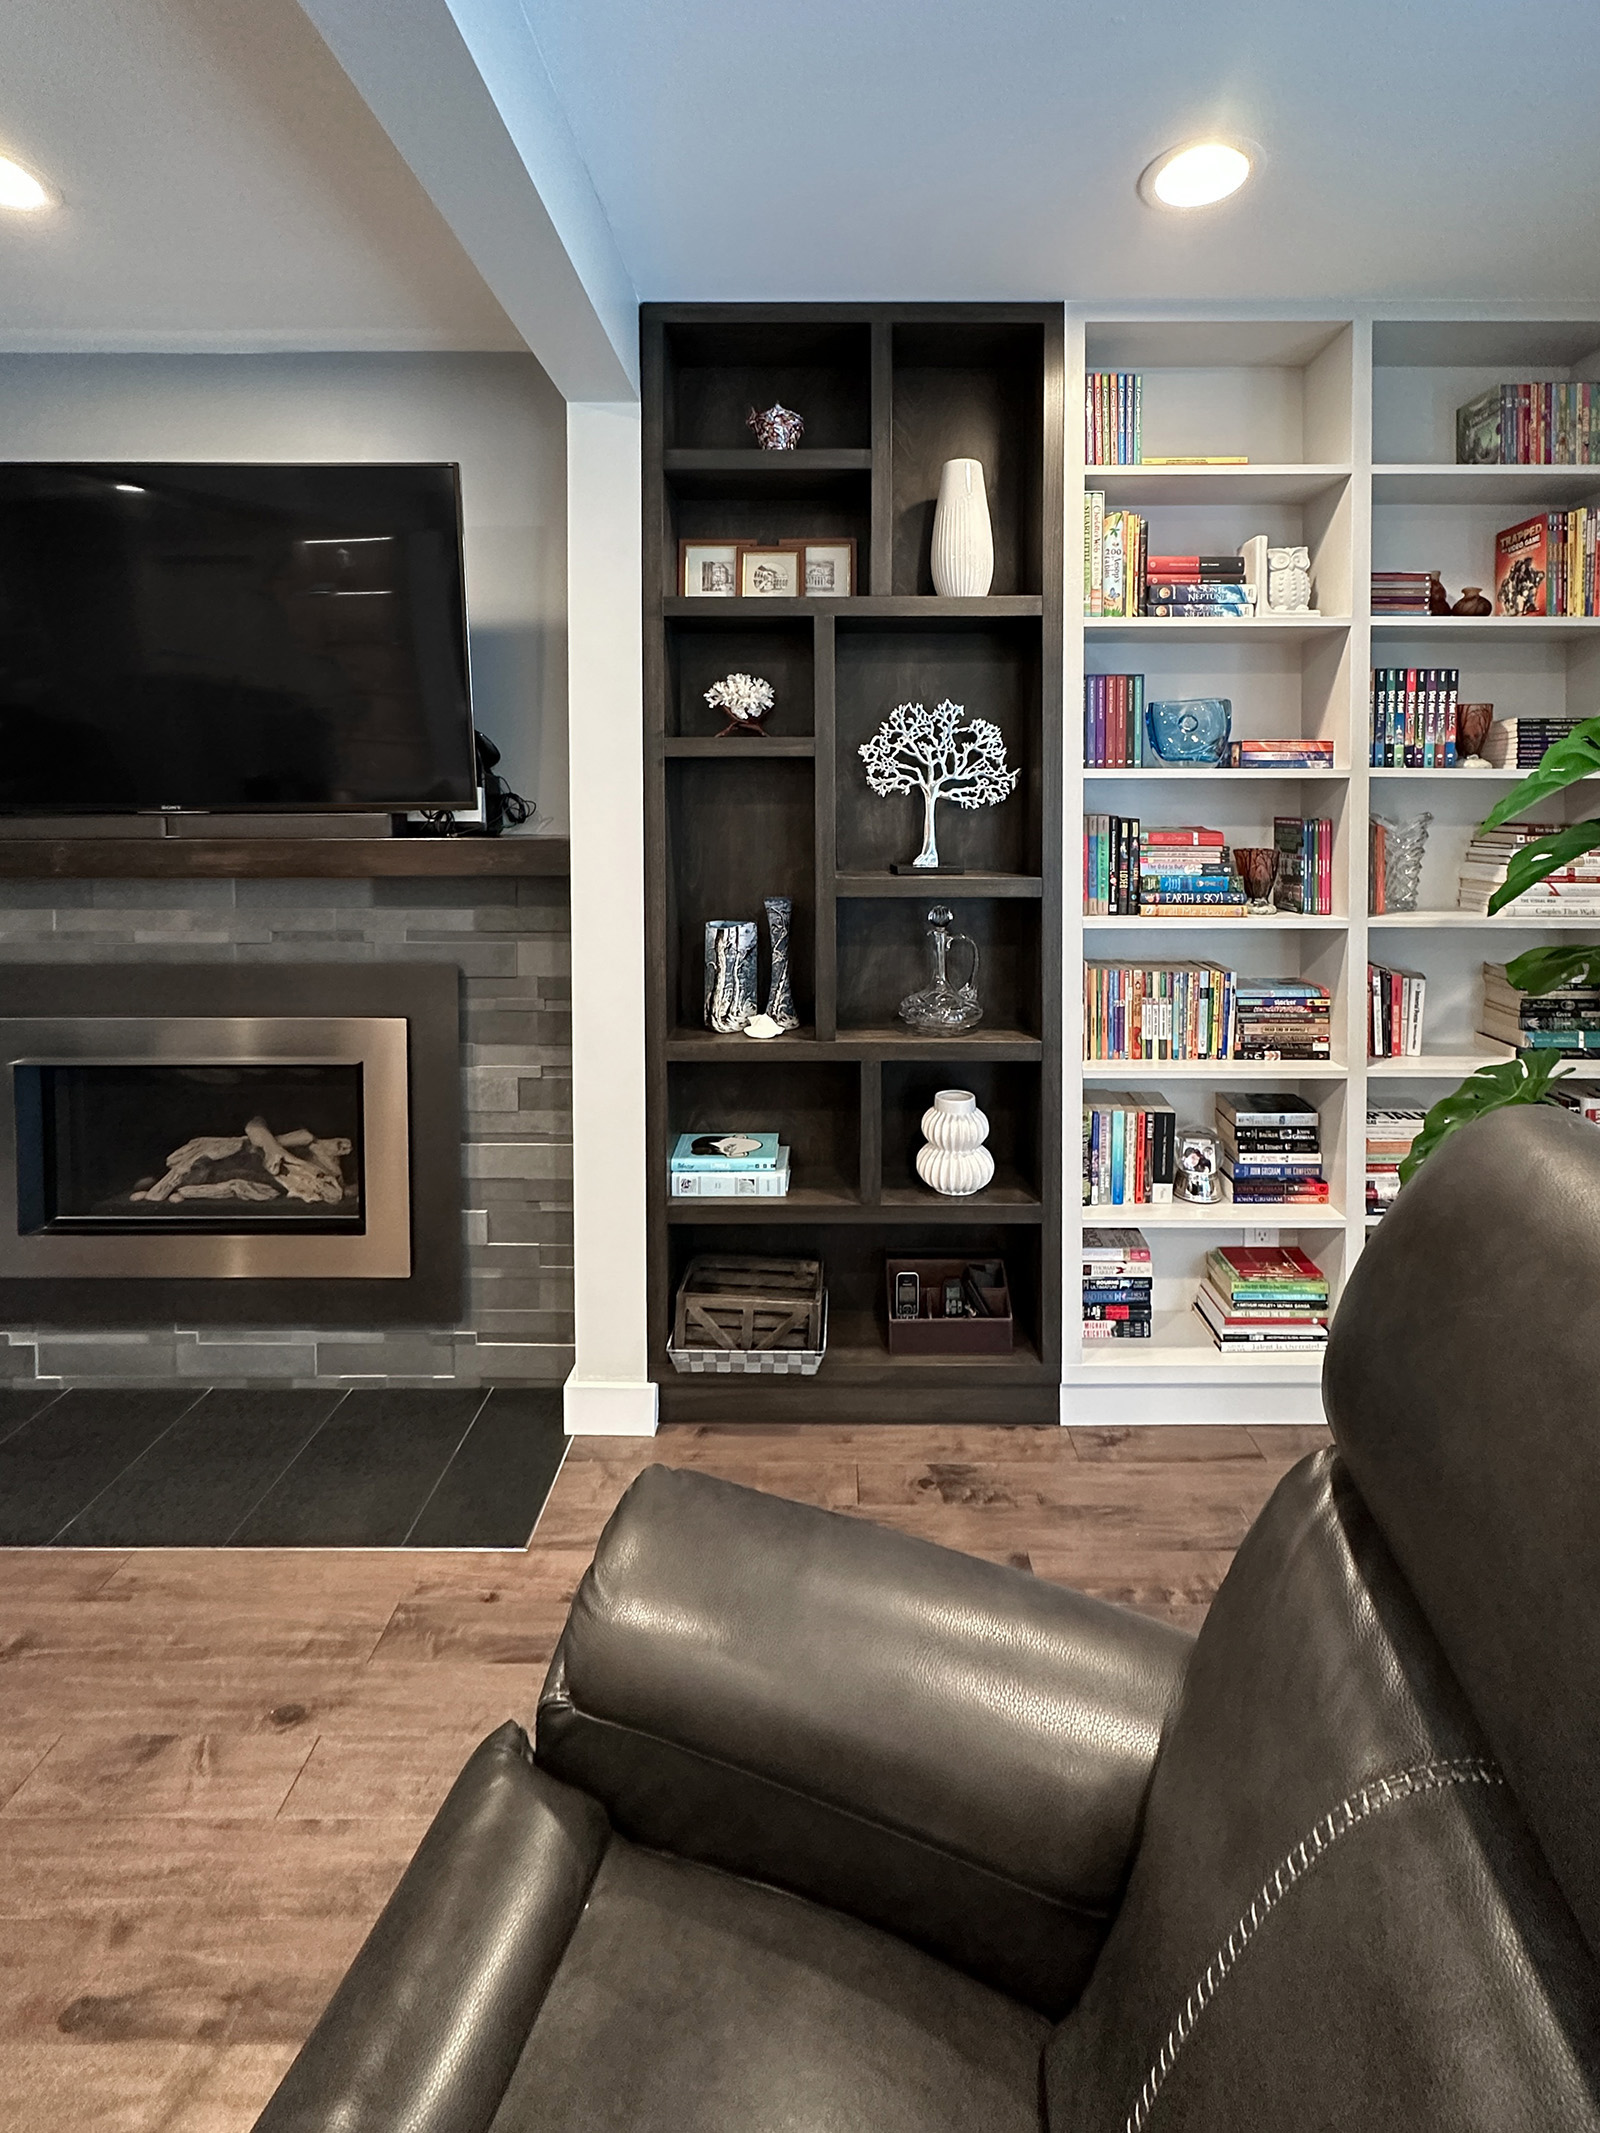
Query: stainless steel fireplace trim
[(375, 1043)]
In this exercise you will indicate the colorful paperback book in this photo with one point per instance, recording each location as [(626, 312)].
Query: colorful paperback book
[(725, 1149), (733, 1184)]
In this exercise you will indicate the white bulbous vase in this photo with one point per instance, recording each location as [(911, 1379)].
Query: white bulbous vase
[(955, 1162), (963, 541)]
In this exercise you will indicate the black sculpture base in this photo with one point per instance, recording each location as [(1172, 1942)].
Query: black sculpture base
[(909, 866)]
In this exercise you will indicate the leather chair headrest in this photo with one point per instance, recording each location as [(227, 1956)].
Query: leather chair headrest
[(1462, 1384)]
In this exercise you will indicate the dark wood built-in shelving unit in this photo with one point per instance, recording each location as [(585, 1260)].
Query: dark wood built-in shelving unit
[(888, 393)]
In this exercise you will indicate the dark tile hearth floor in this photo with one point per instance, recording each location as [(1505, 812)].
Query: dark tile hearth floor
[(191, 1467)]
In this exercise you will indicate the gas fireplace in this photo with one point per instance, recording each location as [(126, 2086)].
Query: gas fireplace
[(252, 1150)]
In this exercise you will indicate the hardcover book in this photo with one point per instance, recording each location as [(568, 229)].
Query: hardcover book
[(728, 1149)]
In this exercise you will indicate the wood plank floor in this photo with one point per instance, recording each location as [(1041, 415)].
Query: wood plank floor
[(215, 1763)]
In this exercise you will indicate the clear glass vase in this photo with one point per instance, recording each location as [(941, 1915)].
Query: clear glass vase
[(1405, 842)]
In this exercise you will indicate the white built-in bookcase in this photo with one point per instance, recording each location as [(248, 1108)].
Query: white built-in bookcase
[(1348, 419)]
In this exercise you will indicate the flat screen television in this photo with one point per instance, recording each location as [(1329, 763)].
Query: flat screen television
[(261, 638)]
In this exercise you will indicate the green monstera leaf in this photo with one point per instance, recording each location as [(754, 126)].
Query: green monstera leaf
[(1543, 970), (1561, 765), (1532, 862), (1523, 1080)]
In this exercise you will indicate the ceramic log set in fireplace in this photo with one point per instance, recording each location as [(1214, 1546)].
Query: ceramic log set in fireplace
[(235, 1155)]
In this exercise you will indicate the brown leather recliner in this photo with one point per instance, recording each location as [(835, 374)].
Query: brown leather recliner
[(830, 1831)]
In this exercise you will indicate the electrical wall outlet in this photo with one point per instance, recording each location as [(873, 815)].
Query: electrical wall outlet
[(1260, 1236)]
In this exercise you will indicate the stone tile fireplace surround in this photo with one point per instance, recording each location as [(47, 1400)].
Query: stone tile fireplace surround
[(509, 938)]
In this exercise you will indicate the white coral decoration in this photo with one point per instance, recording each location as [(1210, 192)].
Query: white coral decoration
[(933, 753), (741, 696)]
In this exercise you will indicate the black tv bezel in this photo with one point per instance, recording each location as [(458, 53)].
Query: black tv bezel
[(130, 470)]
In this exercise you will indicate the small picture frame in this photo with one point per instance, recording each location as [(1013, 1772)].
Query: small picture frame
[(771, 573), (830, 567), (708, 570)]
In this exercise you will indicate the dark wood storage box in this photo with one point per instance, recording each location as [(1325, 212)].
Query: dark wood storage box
[(946, 1336)]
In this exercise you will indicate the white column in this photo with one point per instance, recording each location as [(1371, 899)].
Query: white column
[(609, 1392)]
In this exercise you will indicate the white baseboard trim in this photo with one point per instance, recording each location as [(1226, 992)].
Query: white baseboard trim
[(601, 1407), (1148, 1406)]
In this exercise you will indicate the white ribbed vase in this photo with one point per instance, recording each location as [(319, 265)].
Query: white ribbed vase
[(963, 541), (955, 1161)]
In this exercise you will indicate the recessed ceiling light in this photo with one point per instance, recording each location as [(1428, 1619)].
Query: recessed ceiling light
[(1195, 176), (127, 488), (20, 190)]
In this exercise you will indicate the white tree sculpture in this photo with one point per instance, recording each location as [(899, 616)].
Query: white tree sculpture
[(933, 753)]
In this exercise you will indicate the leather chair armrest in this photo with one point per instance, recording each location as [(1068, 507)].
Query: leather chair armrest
[(427, 2025), (953, 1750)]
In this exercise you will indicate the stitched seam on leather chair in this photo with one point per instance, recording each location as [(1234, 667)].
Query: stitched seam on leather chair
[(1414, 1782), (1095, 1914)]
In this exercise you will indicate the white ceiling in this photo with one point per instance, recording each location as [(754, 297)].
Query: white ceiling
[(947, 149), (223, 186)]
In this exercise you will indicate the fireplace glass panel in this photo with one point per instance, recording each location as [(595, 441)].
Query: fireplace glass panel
[(218, 1148)]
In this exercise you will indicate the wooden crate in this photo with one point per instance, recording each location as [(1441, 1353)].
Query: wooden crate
[(744, 1311)]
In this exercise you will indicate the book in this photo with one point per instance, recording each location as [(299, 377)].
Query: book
[(1264, 1108), (1412, 718), (1129, 1148), (1114, 734), (1395, 1001), (1159, 1010), (1288, 1317), (725, 1148), (1241, 1271), (1522, 568), (733, 1184), (1280, 755), (1197, 569), (1113, 418), (1543, 422), (1102, 1247)]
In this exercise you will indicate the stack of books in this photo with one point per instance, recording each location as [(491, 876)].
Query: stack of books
[(1567, 1021), (1274, 1298), (1399, 592), (1129, 1149), (1580, 1097), (1546, 565), (1159, 1010), (1113, 418), (1305, 871), (1395, 1000), (1280, 755), (1113, 722), (1519, 743), (1413, 718), (1110, 866), (1114, 547), (1572, 891), (1389, 1138), (729, 1165), (1198, 586), (1186, 868), (1281, 1018), (1544, 423), (1117, 1285), (1271, 1146)]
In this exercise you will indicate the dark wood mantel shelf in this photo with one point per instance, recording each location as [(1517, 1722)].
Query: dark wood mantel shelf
[(287, 858)]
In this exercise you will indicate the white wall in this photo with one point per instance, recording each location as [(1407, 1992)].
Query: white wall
[(498, 416)]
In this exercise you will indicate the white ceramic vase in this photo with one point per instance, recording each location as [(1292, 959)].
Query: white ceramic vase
[(963, 541), (955, 1161)]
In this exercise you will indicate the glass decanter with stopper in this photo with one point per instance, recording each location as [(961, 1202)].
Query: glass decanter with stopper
[(945, 1007)]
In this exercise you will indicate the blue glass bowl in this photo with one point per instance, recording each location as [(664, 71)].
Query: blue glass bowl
[(1190, 729)]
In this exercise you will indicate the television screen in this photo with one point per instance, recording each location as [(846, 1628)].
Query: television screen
[(232, 637)]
